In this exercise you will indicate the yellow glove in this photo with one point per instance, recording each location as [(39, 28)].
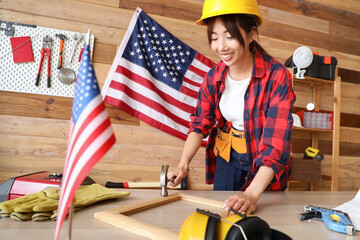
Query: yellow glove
[(27, 203), (90, 194), (84, 196), (21, 216), (43, 205)]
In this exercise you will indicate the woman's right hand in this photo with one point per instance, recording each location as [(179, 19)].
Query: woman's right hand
[(192, 145), (175, 176)]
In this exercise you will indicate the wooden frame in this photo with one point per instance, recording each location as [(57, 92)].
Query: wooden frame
[(118, 216)]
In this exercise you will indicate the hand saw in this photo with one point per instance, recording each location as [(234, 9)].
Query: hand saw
[(335, 220)]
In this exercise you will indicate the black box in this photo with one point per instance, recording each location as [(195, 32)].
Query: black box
[(321, 67)]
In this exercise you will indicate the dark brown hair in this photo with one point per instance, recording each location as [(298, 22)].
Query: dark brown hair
[(232, 23)]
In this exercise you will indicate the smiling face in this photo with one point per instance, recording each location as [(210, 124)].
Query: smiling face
[(227, 47)]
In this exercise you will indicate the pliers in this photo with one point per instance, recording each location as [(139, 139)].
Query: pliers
[(45, 50)]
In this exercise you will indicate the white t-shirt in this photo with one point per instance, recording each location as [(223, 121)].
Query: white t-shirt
[(232, 101)]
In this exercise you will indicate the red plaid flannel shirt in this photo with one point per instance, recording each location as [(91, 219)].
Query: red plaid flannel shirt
[(269, 100)]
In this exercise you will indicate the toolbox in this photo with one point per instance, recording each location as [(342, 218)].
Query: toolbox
[(321, 67), (32, 183)]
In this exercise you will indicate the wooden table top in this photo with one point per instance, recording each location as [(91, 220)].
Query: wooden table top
[(279, 209)]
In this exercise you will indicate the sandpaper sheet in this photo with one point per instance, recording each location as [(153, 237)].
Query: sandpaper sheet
[(22, 49)]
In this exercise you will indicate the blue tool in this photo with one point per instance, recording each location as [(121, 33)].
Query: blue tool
[(335, 220)]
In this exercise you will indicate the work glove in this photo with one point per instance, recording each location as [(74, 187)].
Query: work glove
[(39, 201), (43, 205)]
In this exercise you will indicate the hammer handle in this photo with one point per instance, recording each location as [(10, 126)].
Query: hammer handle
[(136, 185), (60, 54)]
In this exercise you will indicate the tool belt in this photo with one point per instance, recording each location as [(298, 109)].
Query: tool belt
[(226, 140)]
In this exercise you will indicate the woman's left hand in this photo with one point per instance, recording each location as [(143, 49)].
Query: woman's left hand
[(245, 202)]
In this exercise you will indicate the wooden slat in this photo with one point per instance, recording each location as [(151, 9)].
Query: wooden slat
[(104, 53), (109, 3), (310, 37), (187, 29), (180, 9), (195, 38), (336, 136), (103, 34), (347, 5), (300, 21), (344, 31), (349, 76), (137, 155), (315, 10), (308, 170), (35, 105)]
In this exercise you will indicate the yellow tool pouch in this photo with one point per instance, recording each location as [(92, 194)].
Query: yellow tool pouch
[(225, 141)]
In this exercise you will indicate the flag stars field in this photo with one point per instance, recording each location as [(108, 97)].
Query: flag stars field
[(160, 85)]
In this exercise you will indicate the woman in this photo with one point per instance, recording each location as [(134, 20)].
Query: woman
[(244, 106)]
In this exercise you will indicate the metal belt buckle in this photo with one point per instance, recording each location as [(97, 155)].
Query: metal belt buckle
[(237, 135)]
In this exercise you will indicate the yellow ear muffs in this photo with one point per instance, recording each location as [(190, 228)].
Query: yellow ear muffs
[(199, 225), (204, 225)]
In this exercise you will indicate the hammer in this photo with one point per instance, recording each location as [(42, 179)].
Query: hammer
[(164, 180), (162, 183), (62, 37)]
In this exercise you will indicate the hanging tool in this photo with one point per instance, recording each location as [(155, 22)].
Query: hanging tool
[(62, 37), (66, 75), (76, 37), (10, 30), (46, 50), (335, 220), (311, 152), (31, 38)]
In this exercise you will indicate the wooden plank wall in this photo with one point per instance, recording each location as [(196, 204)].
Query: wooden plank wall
[(34, 128)]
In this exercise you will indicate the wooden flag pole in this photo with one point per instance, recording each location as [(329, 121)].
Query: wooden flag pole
[(71, 215), (71, 209), (88, 37)]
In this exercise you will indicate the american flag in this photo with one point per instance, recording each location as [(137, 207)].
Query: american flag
[(90, 137), (156, 77)]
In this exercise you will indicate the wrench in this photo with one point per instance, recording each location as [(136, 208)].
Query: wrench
[(77, 37)]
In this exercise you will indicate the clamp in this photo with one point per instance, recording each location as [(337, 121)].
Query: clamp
[(45, 51), (335, 220)]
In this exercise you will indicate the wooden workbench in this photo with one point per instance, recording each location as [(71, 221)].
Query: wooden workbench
[(279, 209)]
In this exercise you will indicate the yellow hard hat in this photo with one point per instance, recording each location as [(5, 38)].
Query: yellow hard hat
[(214, 8)]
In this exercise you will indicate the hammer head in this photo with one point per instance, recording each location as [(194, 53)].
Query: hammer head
[(164, 180), (61, 36)]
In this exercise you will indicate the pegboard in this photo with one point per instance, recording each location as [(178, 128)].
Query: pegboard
[(21, 77)]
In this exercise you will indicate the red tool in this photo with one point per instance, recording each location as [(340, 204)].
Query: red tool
[(46, 50), (81, 51)]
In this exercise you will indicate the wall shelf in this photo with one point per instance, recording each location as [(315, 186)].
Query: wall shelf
[(317, 84), (312, 129)]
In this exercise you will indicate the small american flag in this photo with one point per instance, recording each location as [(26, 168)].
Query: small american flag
[(156, 77), (90, 137)]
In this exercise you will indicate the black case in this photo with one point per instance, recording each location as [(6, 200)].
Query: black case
[(318, 68)]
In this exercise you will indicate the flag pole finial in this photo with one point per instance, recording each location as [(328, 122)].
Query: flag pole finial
[(88, 37)]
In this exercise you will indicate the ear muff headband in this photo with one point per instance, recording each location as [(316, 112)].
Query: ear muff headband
[(211, 229)]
